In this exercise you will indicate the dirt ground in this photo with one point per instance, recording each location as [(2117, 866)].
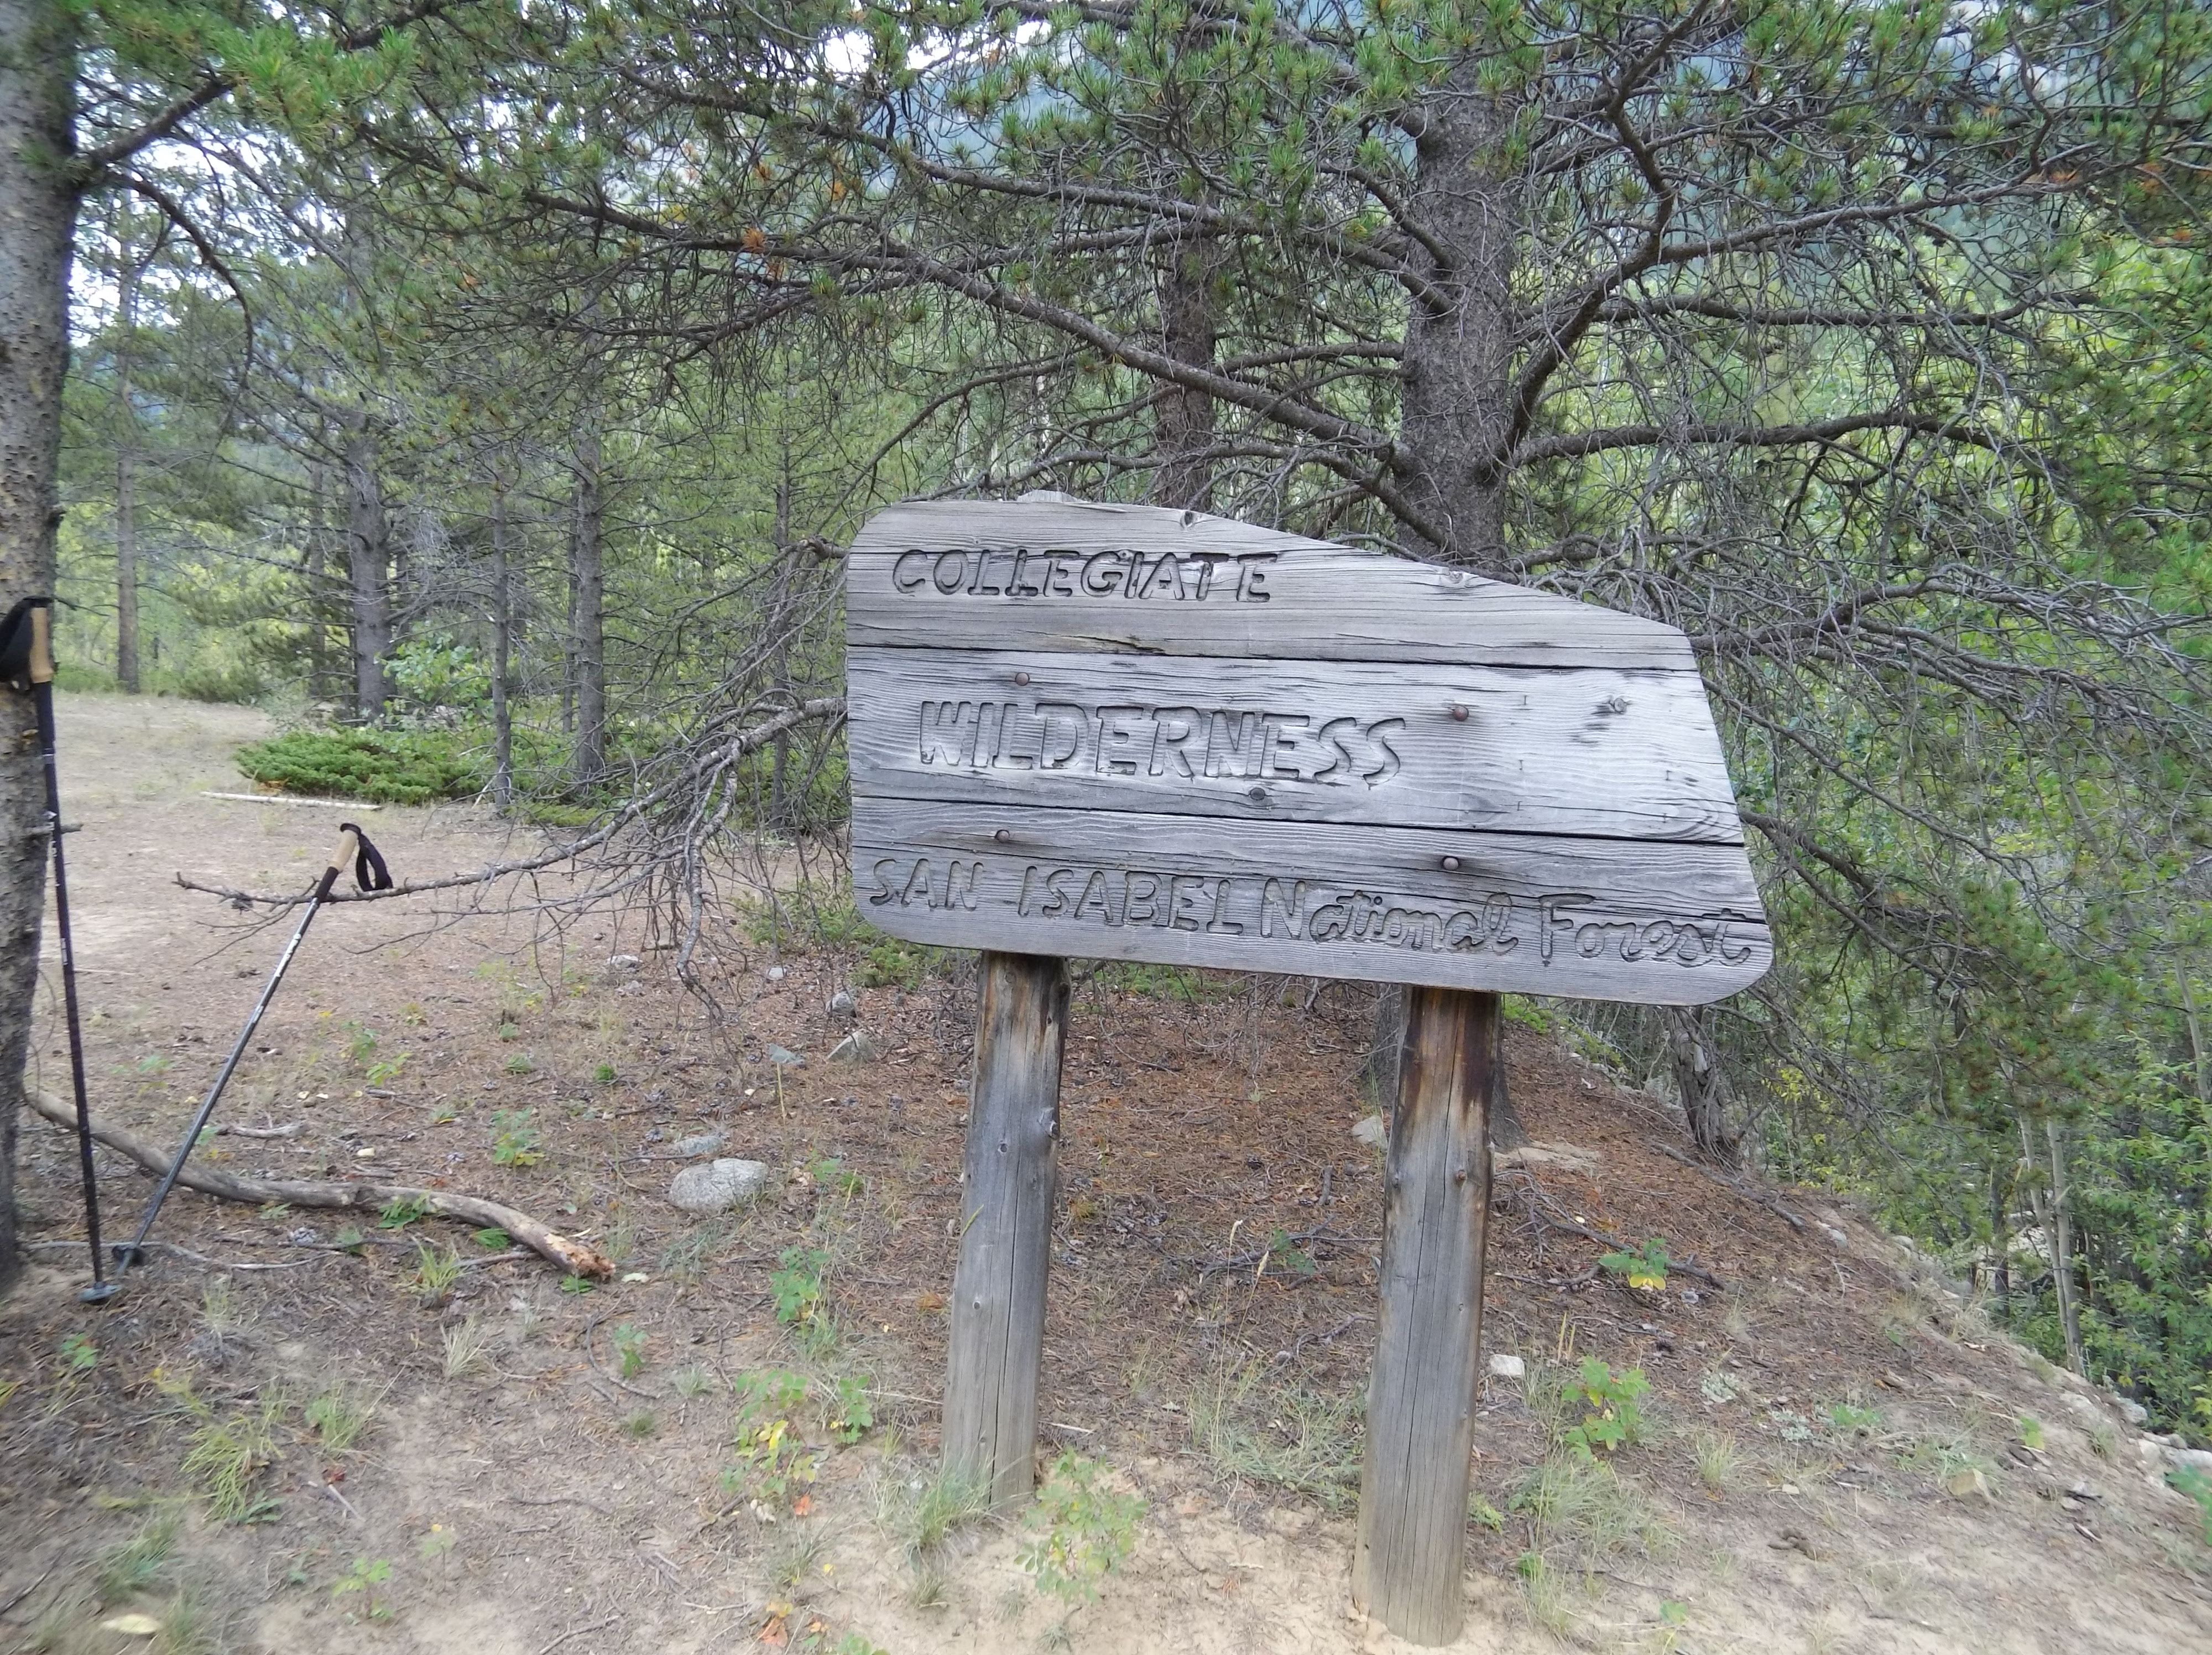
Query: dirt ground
[(285, 1435)]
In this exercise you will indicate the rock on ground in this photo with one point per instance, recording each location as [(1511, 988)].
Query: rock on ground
[(718, 1186)]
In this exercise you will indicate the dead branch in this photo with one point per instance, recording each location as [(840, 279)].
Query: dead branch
[(571, 1255)]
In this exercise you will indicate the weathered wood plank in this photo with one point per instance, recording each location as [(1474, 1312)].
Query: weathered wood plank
[(1598, 750), (1407, 1559), (1005, 1238), (1600, 919), (1057, 575)]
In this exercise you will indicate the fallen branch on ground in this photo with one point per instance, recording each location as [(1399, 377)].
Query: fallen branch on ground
[(571, 1255)]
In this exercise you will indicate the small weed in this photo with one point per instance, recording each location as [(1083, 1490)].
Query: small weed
[(515, 1137), (361, 1041), (510, 1031), (795, 1557), (1718, 1459), (831, 1174), (228, 1456), (2103, 1439), (139, 1562), (349, 1240), (493, 1240), (687, 1257), (576, 1286), (529, 1319), (468, 1347), (1718, 1388), (641, 1425), (796, 1284), (368, 1577), (1078, 1533), (604, 1074), (774, 1460), (2031, 1432), (437, 1272), (1854, 1419), (399, 1214), (220, 1313), (2198, 1487), (79, 1354), (386, 1070), (1645, 1270), (1285, 1254), (922, 1511), (1586, 1506), (630, 1350), (437, 1545), (1483, 1515), (338, 1416), (692, 1381), (519, 1064), (620, 1243), (1612, 1404)]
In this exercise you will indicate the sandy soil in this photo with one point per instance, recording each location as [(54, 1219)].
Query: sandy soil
[(1834, 1457)]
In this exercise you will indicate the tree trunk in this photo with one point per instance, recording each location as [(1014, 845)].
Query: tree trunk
[(2062, 1246), (318, 561), (1183, 427), (502, 722), (368, 557), (126, 435), (38, 219), (588, 641), (1698, 1079), (1457, 373)]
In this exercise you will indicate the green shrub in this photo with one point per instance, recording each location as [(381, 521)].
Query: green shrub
[(382, 767)]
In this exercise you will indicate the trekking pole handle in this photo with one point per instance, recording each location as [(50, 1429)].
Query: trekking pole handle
[(42, 645), (349, 848)]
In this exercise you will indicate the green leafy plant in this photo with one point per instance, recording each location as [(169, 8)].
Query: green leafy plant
[(630, 1350), (1077, 1532), (140, 1561), (847, 1412), (1850, 1418), (437, 1545), (833, 1175), (1612, 1413), (368, 1577), (574, 1284), (773, 1459), (79, 1353), (384, 1071), (1645, 1270), (515, 1137), (795, 1285)]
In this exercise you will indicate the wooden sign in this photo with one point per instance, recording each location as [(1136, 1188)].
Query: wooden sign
[(1126, 733), (1122, 733)]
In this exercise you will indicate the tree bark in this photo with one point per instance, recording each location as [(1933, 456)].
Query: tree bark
[(38, 219), (318, 561), (502, 718), (1697, 1069), (588, 641), (1183, 426), (1457, 375), (368, 564), (127, 271)]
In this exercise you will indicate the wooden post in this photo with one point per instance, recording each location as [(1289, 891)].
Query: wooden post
[(1005, 1215), (1407, 1566)]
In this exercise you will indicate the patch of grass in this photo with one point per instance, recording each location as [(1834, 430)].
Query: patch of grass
[(437, 1272), (399, 1213), (1943, 1454), (2198, 1487), (922, 1509), (1854, 1417), (2031, 1432), (1586, 1508), (338, 1415), (139, 1562), (794, 1557), (467, 1347), (382, 766), (1287, 1435), (1191, 988), (221, 1312), (227, 1457), (640, 1425), (692, 1381), (368, 1577), (1718, 1461)]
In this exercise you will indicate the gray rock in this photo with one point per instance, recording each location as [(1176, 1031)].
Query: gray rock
[(718, 1186), (841, 1004), (624, 962), (700, 1143), (2085, 1412), (2190, 1459), (1502, 1366), (855, 1047), (775, 974), (784, 1058), (1372, 1132), (2131, 1410)]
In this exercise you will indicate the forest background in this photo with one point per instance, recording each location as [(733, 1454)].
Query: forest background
[(489, 387)]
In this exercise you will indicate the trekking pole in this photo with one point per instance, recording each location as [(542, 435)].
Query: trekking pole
[(27, 658), (369, 874)]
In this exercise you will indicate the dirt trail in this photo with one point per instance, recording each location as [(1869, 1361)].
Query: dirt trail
[(1838, 1456)]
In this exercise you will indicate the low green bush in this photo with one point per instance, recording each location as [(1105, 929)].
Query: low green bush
[(380, 766)]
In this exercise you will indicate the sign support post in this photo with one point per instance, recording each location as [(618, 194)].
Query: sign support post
[(1005, 1217), (1406, 1565)]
